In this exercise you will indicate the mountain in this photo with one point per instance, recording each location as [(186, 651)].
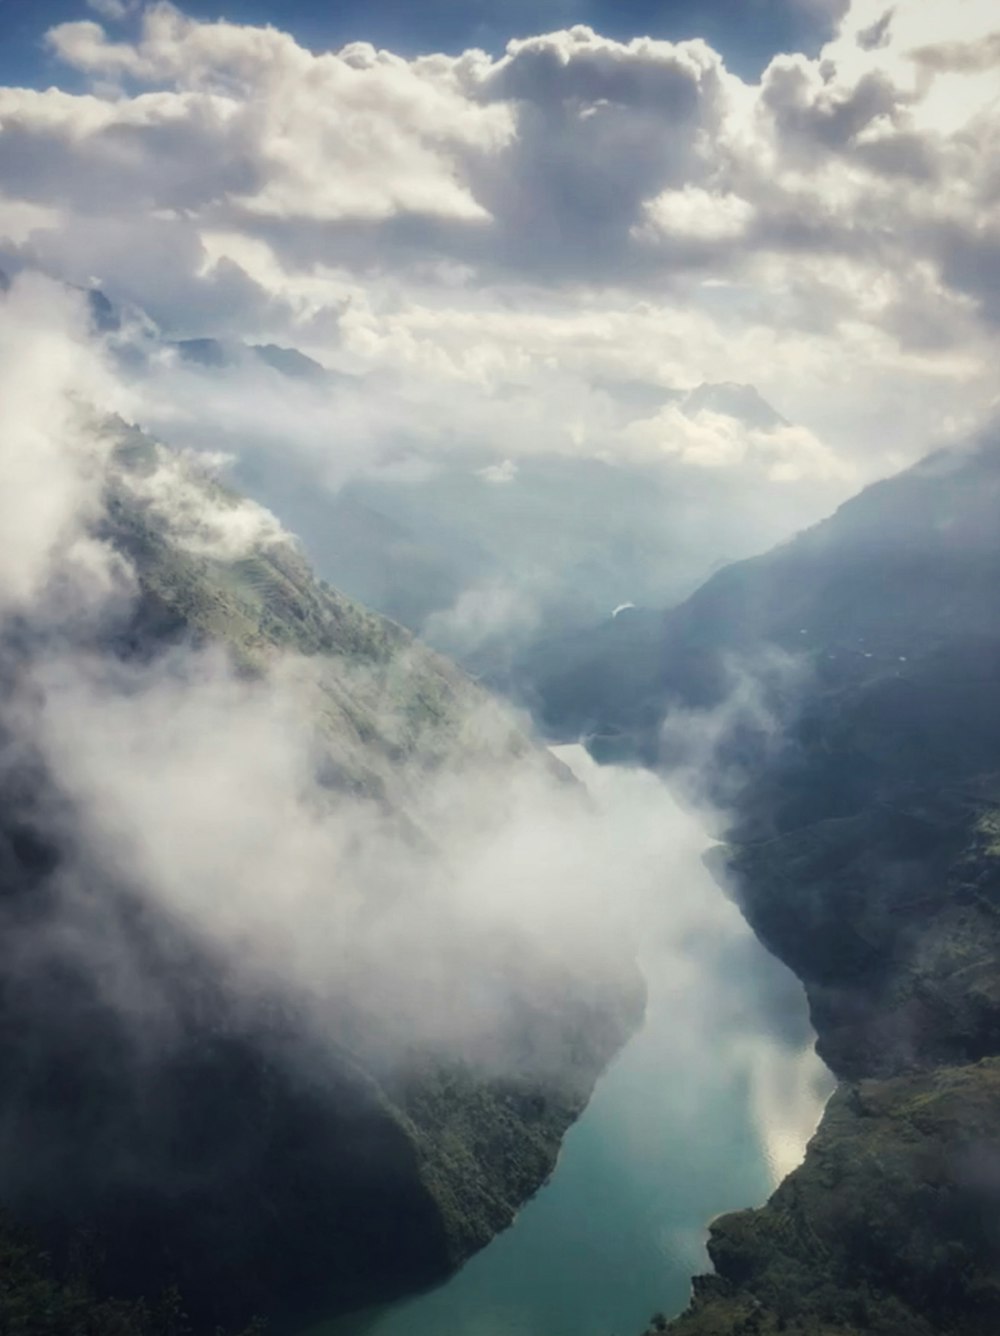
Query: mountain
[(494, 561), (490, 553), (843, 694), (742, 402), (175, 1120), (215, 354), (899, 576)]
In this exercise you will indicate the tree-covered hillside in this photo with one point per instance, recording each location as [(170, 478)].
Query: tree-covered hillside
[(861, 778), (265, 1117)]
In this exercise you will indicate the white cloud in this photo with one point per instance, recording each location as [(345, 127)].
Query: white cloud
[(172, 490), (52, 386), (491, 242), (715, 440), (505, 471), (113, 10), (448, 842), (695, 214), (494, 613), (358, 134)]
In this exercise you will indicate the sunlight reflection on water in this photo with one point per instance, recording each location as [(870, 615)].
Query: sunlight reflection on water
[(704, 1111)]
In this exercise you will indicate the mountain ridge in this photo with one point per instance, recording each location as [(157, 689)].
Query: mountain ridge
[(294, 1162), (863, 791)]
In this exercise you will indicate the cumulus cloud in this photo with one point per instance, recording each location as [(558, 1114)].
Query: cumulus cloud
[(575, 207), (533, 256), (356, 134)]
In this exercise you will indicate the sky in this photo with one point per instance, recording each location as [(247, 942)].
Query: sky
[(747, 32), (535, 248)]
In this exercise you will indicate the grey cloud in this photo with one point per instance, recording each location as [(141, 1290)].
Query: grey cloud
[(901, 153), (970, 262), (600, 129), (566, 195), (876, 36), (185, 156), (960, 57), (824, 117), (597, 130), (158, 264), (572, 166), (579, 67)]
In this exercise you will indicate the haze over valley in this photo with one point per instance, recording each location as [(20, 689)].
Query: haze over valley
[(499, 739)]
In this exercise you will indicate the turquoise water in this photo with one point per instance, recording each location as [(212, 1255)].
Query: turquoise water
[(702, 1112)]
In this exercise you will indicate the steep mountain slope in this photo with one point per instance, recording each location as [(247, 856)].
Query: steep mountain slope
[(864, 789), (891, 585), (888, 1229), (480, 546), (177, 1117)]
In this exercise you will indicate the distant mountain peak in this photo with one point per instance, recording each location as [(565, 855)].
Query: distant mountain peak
[(732, 399)]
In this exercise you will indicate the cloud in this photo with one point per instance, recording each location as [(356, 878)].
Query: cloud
[(293, 866), (52, 384), (494, 615), (294, 823), (713, 751), (232, 179), (717, 440), (960, 57), (216, 798), (691, 933), (492, 252), (356, 134), (113, 10), (877, 36), (172, 489), (505, 471)]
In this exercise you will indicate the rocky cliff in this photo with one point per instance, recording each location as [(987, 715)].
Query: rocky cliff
[(863, 849)]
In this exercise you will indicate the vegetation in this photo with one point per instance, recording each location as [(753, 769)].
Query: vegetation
[(864, 851), (888, 1229), (243, 1162), (36, 1301)]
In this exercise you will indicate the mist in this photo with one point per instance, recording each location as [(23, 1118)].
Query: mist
[(498, 671), (464, 881), (487, 513)]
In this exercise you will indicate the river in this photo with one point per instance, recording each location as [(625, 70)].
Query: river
[(705, 1110)]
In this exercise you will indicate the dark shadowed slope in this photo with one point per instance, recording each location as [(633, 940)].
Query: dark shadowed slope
[(903, 574), (865, 790)]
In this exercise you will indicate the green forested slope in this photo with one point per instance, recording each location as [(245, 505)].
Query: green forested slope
[(244, 1159), (863, 850)]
